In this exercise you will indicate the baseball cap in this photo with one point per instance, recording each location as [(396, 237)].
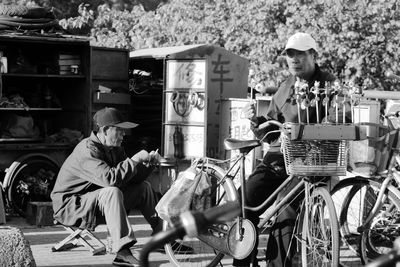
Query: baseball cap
[(112, 117), (301, 41)]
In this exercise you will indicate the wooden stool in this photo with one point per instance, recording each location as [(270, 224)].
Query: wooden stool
[(80, 237)]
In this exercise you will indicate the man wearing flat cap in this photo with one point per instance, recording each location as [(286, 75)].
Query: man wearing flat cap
[(300, 53), (98, 181)]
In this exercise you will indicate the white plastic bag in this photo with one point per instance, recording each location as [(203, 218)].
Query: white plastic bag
[(191, 184)]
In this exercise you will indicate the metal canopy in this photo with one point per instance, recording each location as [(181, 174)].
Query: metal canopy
[(170, 51)]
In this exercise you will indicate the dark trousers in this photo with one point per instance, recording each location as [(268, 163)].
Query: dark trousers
[(143, 198), (265, 179)]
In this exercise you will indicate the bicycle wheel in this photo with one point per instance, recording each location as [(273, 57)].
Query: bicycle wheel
[(348, 231), (204, 254), (376, 237), (320, 231), (358, 198)]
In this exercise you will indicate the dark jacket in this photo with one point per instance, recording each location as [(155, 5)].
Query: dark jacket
[(91, 166), (283, 106)]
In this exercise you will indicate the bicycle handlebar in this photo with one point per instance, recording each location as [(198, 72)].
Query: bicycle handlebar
[(190, 223), (392, 114), (158, 240), (378, 94), (271, 122)]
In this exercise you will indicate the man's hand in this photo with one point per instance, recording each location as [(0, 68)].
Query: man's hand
[(249, 112), (141, 156), (332, 115), (332, 111), (154, 157)]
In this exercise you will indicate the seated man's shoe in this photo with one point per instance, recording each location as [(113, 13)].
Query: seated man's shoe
[(178, 248), (125, 258)]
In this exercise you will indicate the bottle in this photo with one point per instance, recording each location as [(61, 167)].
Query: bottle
[(178, 143)]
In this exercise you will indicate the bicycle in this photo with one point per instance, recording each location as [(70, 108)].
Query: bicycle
[(310, 159), (370, 209)]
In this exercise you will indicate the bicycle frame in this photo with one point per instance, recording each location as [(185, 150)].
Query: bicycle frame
[(273, 210)]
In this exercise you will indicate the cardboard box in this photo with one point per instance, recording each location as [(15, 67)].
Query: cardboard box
[(40, 213)]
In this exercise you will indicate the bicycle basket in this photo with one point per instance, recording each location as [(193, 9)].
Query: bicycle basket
[(315, 157)]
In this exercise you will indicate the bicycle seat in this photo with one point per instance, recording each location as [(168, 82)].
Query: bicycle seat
[(244, 146)]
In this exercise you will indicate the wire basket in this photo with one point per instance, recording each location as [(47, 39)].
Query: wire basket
[(315, 157)]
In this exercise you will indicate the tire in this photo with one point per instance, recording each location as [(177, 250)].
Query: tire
[(13, 10), (320, 231), (31, 179), (339, 194), (28, 26), (204, 254), (24, 20), (375, 238), (26, 12)]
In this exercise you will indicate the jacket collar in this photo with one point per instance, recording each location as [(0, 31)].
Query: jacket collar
[(93, 137), (281, 96)]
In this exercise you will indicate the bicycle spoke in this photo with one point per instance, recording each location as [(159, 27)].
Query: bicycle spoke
[(320, 243)]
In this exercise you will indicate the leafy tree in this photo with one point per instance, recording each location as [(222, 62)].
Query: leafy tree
[(67, 9), (358, 40)]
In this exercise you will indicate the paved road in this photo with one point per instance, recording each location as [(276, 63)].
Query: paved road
[(42, 239)]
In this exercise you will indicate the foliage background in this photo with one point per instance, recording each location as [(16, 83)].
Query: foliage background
[(358, 39)]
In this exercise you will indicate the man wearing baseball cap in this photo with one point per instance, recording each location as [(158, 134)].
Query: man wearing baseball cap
[(301, 53), (98, 181)]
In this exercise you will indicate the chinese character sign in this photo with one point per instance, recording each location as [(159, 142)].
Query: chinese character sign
[(221, 69), (186, 74), (239, 127)]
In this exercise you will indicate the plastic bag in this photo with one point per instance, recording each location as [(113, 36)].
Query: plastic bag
[(371, 156), (190, 185)]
